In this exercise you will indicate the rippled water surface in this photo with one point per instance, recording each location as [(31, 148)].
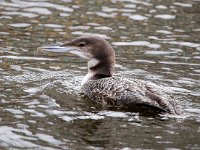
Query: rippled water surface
[(40, 104)]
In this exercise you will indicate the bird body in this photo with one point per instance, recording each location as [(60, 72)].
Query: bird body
[(100, 85), (129, 94)]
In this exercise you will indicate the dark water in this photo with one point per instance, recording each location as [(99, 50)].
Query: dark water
[(40, 106)]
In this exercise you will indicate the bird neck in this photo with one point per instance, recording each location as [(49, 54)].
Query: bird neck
[(98, 69)]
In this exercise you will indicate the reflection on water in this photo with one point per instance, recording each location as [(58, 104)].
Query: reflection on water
[(40, 103)]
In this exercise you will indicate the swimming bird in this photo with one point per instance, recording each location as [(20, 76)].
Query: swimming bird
[(101, 86)]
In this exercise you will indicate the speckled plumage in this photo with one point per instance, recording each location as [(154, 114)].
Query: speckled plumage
[(131, 94)]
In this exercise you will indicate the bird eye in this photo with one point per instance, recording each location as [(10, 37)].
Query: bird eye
[(82, 44)]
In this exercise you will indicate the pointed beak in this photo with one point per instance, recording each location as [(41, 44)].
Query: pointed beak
[(63, 49), (59, 49)]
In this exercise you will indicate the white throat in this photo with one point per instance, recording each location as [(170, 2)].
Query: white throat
[(91, 63), (87, 78)]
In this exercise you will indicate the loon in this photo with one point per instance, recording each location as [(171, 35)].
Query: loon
[(101, 86)]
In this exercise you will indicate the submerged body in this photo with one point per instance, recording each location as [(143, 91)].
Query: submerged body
[(100, 85)]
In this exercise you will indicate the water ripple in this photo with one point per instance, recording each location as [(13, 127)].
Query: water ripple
[(137, 43), (26, 58), (41, 11), (165, 16), (40, 102), (26, 4)]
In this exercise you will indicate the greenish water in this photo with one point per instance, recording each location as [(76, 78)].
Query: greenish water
[(40, 106)]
